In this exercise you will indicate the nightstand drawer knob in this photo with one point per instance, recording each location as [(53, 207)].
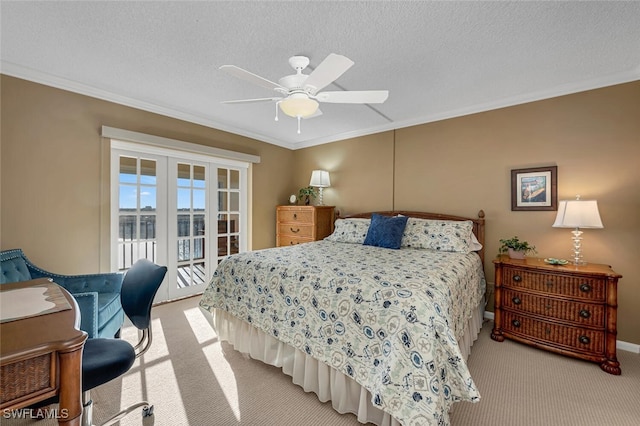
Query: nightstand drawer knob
[(584, 313), (517, 278), (515, 323), (549, 284), (585, 288), (295, 230), (584, 340), (516, 300)]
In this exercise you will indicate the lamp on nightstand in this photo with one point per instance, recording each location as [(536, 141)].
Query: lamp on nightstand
[(320, 179), (578, 214)]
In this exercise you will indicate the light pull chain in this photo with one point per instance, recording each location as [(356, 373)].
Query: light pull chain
[(277, 105), (298, 124)]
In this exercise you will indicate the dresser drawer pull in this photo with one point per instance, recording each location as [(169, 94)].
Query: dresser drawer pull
[(295, 230), (515, 323), (584, 340), (549, 284), (516, 300), (295, 215), (585, 288), (293, 243), (584, 313), (517, 278)]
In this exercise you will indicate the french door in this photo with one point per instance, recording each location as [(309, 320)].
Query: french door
[(183, 210)]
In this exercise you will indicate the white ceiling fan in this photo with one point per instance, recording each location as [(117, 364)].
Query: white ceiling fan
[(299, 93)]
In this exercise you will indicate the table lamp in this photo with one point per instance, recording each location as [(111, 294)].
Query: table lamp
[(578, 214), (320, 179)]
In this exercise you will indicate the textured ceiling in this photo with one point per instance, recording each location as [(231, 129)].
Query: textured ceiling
[(437, 59)]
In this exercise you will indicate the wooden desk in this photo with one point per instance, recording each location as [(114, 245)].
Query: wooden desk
[(41, 354)]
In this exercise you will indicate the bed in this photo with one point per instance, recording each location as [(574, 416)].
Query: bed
[(379, 323)]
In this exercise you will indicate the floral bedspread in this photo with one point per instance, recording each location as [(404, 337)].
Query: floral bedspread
[(390, 319)]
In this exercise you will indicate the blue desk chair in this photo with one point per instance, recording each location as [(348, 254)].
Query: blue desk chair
[(105, 359)]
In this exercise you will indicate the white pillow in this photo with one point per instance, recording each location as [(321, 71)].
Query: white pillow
[(440, 235), (352, 231), (475, 244)]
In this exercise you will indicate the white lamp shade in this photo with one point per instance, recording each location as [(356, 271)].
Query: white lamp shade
[(320, 179), (578, 214), (298, 105)]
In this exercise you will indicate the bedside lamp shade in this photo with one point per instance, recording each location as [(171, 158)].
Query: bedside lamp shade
[(320, 179), (578, 214)]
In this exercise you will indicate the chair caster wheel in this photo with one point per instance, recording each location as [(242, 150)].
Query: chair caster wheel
[(147, 411)]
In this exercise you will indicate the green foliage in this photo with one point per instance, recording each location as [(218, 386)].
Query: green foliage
[(308, 191), (517, 245)]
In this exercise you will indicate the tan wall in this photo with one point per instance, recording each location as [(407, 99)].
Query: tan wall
[(53, 205), (462, 165)]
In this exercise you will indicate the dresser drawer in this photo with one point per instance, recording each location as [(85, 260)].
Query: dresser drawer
[(295, 230), (288, 240), (587, 288), (300, 216), (581, 313), (572, 337)]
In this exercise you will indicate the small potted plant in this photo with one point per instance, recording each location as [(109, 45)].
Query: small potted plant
[(515, 248), (307, 193)]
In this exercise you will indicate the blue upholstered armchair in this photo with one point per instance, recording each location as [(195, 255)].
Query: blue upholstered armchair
[(98, 295)]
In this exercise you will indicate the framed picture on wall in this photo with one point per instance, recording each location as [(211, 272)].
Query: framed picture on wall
[(534, 189)]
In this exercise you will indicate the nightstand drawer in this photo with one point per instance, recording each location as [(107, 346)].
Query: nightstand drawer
[(585, 340), (586, 314), (296, 216), (587, 288), (295, 230), (288, 240)]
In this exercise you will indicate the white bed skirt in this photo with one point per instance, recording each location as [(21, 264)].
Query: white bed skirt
[(346, 395)]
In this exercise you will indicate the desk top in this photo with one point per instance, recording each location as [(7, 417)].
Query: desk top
[(56, 328)]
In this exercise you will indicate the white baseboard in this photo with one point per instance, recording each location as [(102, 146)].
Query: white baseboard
[(623, 346)]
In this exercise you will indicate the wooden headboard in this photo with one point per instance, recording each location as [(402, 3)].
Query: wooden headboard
[(478, 222)]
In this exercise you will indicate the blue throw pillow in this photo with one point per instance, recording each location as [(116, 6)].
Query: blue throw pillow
[(385, 231)]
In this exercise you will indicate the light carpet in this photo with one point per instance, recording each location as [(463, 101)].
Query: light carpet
[(193, 379)]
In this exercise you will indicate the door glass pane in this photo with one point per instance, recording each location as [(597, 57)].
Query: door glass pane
[(184, 174), (198, 225), (147, 227), (184, 222), (148, 172), (235, 201), (184, 199), (222, 224), (198, 248), (128, 199), (235, 179), (222, 201), (235, 223), (233, 243), (183, 250), (128, 170), (198, 177), (148, 198), (222, 246), (198, 199), (199, 276), (222, 179)]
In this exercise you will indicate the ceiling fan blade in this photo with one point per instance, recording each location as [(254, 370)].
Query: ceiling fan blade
[(327, 72), (248, 101), (354, 97), (250, 77)]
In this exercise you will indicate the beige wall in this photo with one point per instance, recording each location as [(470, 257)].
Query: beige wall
[(462, 165), (53, 204), (52, 158)]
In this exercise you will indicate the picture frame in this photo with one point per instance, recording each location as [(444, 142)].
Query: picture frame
[(534, 189)]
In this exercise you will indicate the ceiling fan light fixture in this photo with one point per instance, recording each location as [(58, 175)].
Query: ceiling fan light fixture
[(298, 105)]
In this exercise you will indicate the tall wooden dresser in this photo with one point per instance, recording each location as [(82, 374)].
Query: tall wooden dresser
[(302, 224), (569, 309)]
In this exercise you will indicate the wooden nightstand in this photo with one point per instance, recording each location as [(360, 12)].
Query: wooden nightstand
[(302, 224), (570, 310)]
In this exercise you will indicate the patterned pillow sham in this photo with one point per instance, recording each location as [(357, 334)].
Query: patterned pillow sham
[(441, 235), (352, 231)]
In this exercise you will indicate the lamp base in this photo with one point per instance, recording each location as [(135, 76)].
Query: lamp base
[(577, 247), (320, 200)]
